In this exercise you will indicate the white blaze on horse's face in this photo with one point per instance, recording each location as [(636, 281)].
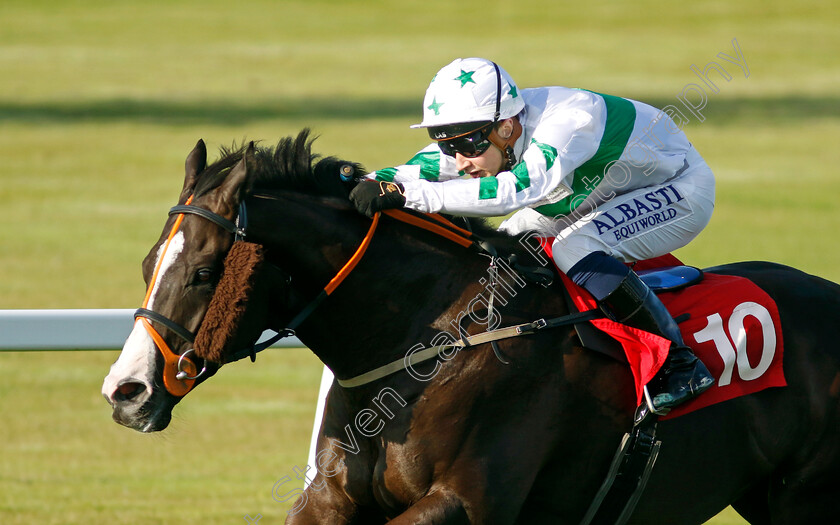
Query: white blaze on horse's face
[(130, 382), (173, 250)]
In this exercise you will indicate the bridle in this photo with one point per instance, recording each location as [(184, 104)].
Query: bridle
[(180, 372)]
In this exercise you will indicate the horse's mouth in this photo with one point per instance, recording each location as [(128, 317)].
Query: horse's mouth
[(146, 418), (142, 424)]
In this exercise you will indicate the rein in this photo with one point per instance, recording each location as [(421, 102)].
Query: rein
[(291, 328), (180, 372), (440, 226)]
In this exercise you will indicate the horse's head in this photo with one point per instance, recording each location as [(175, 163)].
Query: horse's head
[(180, 271), (183, 271)]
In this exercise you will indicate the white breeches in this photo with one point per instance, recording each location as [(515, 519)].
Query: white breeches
[(634, 226)]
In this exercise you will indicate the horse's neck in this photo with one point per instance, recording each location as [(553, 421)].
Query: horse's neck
[(380, 312), (377, 308)]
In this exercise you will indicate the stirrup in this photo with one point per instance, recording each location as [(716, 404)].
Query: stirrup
[(650, 406)]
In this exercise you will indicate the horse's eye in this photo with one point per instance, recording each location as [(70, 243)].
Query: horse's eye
[(203, 276)]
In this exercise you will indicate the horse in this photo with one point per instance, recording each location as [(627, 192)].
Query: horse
[(520, 432)]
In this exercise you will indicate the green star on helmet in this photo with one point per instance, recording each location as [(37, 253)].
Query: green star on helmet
[(435, 106), (513, 92), (465, 77)]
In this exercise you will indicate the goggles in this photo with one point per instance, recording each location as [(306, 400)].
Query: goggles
[(470, 144)]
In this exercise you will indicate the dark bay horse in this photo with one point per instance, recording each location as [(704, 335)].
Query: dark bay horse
[(463, 437)]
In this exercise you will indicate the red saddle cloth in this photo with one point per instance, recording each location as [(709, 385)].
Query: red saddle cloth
[(732, 325)]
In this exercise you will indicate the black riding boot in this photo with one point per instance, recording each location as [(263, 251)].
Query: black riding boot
[(683, 376)]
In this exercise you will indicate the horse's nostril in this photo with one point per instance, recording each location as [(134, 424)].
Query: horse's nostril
[(128, 391)]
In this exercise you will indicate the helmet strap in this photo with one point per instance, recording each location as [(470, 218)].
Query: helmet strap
[(506, 145), (498, 112)]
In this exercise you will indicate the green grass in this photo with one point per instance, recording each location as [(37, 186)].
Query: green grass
[(101, 101), (65, 461)]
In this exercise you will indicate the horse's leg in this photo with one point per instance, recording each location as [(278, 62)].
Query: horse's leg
[(440, 507), (322, 502)]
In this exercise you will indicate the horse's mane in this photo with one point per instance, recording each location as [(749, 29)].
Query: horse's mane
[(291, 165), (288, 165)]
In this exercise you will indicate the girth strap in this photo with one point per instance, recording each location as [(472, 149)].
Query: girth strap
[(472, 340)]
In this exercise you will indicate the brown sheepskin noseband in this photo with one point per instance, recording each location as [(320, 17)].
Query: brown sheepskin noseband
[(226, 315)]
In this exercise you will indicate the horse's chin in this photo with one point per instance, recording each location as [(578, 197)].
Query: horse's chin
[(147, 418)]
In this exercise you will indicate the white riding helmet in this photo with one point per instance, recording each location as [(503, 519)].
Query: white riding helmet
[(470, 90)]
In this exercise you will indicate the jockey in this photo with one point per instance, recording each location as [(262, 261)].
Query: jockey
[(613, 180)]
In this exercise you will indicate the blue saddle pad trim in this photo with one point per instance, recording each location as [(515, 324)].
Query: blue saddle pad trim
[(671, 278)]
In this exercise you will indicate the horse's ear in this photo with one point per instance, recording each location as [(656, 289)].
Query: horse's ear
[(195, 164), (237, 183)]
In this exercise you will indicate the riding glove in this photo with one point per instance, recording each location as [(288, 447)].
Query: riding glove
[(371, 196)]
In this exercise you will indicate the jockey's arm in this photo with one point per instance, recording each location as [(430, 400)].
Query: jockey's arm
[(558, 144), (428, 164), (544, 172)]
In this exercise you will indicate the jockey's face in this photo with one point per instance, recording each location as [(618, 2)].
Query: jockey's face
[(488, 164)]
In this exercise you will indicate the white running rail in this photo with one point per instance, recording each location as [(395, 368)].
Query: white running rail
[(84, 329)]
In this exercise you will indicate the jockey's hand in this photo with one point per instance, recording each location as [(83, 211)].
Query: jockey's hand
[(371, 196)]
